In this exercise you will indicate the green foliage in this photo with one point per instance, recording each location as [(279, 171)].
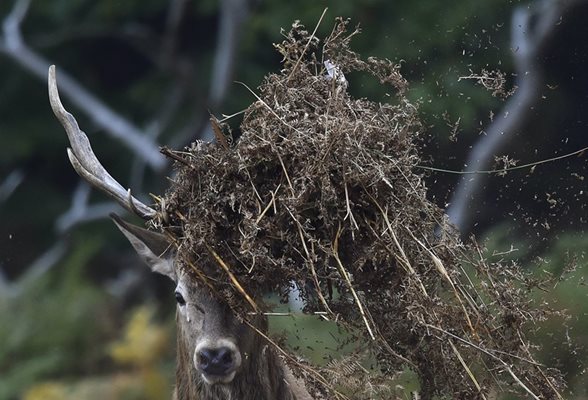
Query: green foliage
[(144, 345), (141, 333), (52, 325), (561, 271), (565, 339), (112, 387), (140, 372)]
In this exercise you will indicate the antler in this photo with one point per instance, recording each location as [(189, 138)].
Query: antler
[(84, 160)]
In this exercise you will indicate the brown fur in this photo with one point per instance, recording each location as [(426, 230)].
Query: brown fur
[(202, 319)]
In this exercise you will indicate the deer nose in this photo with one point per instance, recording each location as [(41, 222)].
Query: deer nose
[(218, 361)]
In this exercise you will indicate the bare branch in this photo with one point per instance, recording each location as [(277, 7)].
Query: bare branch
[(11, 24), (84, 160), (46, 260), (11, 182), (531, 27), (38, 268), (81, 211), (13, 46)]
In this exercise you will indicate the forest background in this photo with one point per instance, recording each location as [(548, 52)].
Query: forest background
[(77, 309)]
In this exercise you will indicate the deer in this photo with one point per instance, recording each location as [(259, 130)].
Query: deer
[(219, 356)]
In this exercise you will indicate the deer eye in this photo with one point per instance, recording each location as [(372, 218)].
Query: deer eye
[(180, 298)]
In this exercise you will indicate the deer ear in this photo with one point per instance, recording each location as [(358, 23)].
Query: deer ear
[(153, 247)]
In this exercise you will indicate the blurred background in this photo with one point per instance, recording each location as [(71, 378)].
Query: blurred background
[(498, 83)]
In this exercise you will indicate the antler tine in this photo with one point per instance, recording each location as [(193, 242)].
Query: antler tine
[(84, 160)]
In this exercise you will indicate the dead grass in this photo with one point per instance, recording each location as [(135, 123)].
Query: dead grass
[(322, 189)]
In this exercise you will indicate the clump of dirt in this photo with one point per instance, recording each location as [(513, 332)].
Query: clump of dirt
[(324, 190)]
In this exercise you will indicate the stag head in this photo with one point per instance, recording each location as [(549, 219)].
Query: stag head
[(208, 330)]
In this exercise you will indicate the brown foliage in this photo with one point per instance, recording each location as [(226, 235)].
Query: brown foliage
[(322, 188)]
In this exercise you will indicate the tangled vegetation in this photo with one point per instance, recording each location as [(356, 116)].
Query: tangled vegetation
[(324, 190)]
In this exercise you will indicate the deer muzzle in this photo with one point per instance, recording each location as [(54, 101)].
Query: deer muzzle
[(218, 362)]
